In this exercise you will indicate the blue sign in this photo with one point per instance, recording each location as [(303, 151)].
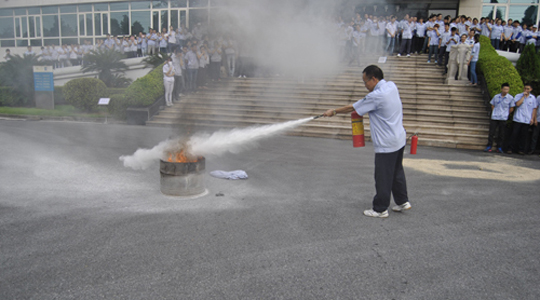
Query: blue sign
[(43, 78)]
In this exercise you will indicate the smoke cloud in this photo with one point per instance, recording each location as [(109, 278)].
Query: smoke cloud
[(204, 144)]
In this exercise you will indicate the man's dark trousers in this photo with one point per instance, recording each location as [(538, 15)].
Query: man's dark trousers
[(495, 125), (389, 180), (519, 136)]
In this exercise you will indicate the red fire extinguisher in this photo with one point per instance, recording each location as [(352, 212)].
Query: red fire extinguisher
[(414, 143), (357, 130)]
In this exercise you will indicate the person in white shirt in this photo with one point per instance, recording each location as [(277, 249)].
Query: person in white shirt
[(54, 56), (434, 42), (63, 56), (406, 37), (420, 36), (178, 62), (508, 30), (133, 46), (168, 81), (230, 52), (126, 47), (191, 60), (358, 42), (470, 38), (474, 59), (502, 105), (29, 51), (73, 52), (215, 61), (496, 34), (143, 41), (383, 104), (172, 43), (524, 116), (391, 32), (152, 41), (452, 40), (7, 55), (204, 60), (163, 45)]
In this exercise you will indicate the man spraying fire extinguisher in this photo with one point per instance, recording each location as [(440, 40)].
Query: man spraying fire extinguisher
[(383, 105)]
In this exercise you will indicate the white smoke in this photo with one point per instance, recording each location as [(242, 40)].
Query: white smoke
[(215, 144)]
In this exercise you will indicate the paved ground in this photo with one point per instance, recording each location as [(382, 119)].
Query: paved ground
[(76, 224)]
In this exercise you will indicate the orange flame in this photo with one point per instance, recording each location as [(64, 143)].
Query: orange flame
[(180, 157)]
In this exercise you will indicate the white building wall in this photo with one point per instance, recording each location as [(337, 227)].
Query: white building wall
[(472, 8)]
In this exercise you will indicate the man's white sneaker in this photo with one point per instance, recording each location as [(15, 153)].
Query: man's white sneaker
[(372, 213), (402, 207)]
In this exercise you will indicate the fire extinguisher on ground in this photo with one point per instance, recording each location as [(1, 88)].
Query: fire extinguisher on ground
[(414, 143)]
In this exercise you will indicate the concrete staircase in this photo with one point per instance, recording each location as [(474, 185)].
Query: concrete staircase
[(443, 115)]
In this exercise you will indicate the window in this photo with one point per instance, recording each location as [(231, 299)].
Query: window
[(49, 10), (69, 25), (198, 3), (34, 11), (197, 16), (101, 7), (6, 12), (35, 43), (524, 13), (120, 6), (85, 8), (50, 26), (20, 11), (140, 21), (140, 5), (7, 43), (119, 23), (524, 1), (6, 28), (70, 41), (68, 9), (487, 10), (50, 42), (22, 43), (178, 3), (160, 4)]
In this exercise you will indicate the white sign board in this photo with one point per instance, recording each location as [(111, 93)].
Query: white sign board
[(104, 101), (382, 59)]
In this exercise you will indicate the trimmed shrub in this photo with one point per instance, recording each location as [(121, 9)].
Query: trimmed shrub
[(9, 96), (143, 92), (117, 106), (528, 67), (497, 69), (84, 93), (59, 98), (115, 91)]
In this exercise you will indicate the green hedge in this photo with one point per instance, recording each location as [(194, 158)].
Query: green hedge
[(59, 98), (9, 96), (84, 93), (143, 92), (497, 69)]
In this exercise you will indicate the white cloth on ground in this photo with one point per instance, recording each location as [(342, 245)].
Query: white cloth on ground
[(237, 174)]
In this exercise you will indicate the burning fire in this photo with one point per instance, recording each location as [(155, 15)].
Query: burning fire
[(181, 157)]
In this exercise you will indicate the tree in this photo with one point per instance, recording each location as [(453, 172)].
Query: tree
[(136, 28), (528, 67), (155, 59), (18, 73), (106, 63)]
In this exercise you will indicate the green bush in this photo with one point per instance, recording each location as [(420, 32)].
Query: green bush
[(117, 106), (497, 69), (115, 91), (143, 92), (59, 98), (84, 93), (9, 96), (528, 67)]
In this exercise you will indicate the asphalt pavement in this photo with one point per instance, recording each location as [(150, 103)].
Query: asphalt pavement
[(76, 224)]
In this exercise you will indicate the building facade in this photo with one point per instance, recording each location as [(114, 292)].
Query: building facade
[(46, 22)]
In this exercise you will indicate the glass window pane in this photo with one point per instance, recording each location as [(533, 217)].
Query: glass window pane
[(38, 27), (105, 23), (140, 5), (34, 11), (18, 27), (198, 3), (164, 20), (155, 20), (119, 23), (49, 42), (119, 5), (197, 16), (524, 1), (7, 43), (70, 41), (501, 12), (97, 23), (140, 21), (69, 25), (68, 8), (31, 27), (174, 19), (6, 12), (487, 10), (89, 28), (101, 7), (24, 27), (178, 3), (523, 13), (20, 11), (36, 43), (6, 28), (183, 18), (22, 43), (85, 7), (82, 31), (493, 1), (49, 10), (160, 4), (50, 26)]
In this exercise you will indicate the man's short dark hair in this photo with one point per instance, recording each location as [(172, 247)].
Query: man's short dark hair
[(454, 29), (373, 71), (527, 84), (505, 85)]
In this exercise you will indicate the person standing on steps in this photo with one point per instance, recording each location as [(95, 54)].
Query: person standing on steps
[(168, 81), (502, 105), (385, 110)]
